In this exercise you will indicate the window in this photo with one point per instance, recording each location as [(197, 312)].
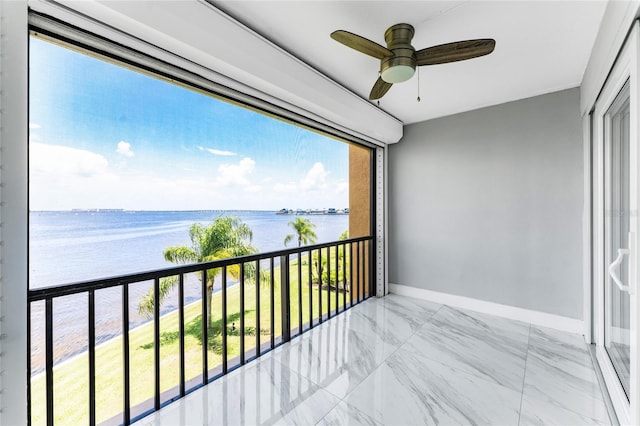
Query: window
[(123, 162)]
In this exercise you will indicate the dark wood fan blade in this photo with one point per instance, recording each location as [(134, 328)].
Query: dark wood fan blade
[(361, 44), (380, 88), (456, 51)]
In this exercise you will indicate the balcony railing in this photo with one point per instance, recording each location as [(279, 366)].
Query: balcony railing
[(275, 296)]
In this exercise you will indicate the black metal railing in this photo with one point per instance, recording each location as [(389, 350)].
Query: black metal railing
[(334, 275)]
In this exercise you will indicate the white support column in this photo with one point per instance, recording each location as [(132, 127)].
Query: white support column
[(14, 39), (587, 244), (381, 222)]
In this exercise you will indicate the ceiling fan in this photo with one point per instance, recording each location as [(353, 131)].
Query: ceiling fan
[(399, 59)]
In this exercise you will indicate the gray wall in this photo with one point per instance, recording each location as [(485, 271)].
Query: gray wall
[(488, 204)]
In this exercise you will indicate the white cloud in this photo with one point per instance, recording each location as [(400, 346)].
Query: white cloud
[(236, 174), (34, 126), (218, 152), (62, 160), (253, 188), (124, 148), (65, 178), (285, 187), (342, 187), (315, 178)]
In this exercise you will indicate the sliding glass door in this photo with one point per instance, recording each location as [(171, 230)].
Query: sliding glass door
[(615, 139), (617, 227)]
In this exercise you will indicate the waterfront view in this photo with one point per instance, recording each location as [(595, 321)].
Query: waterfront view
[(121, 167), (73, 246), (137, 241)]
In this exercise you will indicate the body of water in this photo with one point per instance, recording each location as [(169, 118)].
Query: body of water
[(67, 247)]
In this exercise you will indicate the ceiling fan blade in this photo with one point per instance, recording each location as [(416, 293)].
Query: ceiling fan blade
[(380, 88), (456, 51), (361, 44)]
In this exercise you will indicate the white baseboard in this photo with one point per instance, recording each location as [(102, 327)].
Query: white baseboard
[(511, 312)]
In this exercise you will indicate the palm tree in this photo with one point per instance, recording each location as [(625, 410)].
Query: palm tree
[(225, 237), (304, 231)]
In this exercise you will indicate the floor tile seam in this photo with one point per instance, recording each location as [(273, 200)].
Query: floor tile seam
[(564, 407), (442, 305), (542, 344), (426, 357), (314, 329), (379, 365), (496, 329), (373, 371), (428, 321), (350, 406), (470, 376), (384, 359), (542, 360), (524, 376), (518, 343), (292, 409), (579, 370), (511, 336), (539, 347), (320, 385), (402, 341), (278, 358), (466, 375), (421, 308), (339, 400), (432, 357)]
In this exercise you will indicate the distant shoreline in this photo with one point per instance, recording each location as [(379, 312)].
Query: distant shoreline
[(110, 210)]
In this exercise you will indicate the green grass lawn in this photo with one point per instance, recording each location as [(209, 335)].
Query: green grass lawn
[(71, 399)]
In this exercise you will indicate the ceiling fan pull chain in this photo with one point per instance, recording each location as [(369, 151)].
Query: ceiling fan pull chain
[(418, 85)]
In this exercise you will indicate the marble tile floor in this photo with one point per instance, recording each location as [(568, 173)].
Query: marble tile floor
[(402, 361)]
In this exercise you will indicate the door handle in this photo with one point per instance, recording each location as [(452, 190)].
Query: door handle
[(613, 270)]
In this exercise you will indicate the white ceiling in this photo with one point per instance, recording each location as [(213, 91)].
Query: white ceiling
[(541, 46)]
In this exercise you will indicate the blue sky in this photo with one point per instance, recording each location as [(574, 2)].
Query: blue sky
[(103, 136)]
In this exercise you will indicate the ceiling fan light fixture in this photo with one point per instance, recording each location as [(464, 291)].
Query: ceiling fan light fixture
[(398, 61), (397, 74)]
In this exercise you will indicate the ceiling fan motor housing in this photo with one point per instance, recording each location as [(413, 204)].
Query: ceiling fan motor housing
[(402, 65)]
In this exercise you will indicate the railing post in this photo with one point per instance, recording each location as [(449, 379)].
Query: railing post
[(300, 293), (181, 332), (205, 328), (372, 270), (310, 272), (328, 281), (92, 356), (49, 359), (257, 278), (344, 277), (285, 305), (272, 297), (126, 394), (156, 340), (242, 325), (320, 286), (337, 295), (224, 320)]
